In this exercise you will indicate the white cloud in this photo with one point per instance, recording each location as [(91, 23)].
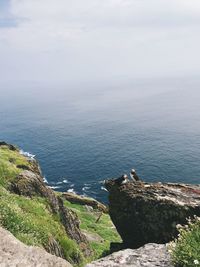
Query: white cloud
[(100, 38)]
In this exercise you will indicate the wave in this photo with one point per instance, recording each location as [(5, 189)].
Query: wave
[(53, 187), (71, 190), (104, 189), (59, 183), (102, 182), (86, 188), (27, 154), (45, 180)]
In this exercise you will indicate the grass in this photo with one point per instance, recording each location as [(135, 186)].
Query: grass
[(29, 220), (33, 223), (8, 165), (185, 250), (104, 228)]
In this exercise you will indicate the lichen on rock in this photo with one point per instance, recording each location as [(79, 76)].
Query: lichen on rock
[(149, 212)]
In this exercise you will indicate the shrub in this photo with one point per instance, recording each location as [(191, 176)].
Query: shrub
[(185, 250)]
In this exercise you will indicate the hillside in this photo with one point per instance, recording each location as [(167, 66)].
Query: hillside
[(38, 216)]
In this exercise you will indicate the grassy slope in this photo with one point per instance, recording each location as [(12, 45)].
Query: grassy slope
[(104, 228), (31, 221)]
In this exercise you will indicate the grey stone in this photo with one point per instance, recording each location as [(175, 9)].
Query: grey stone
[(14, 253), (151, 255)]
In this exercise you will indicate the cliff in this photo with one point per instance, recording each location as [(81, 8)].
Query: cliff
[(79, 230), (146, 216), (149, 212), (38, 216)]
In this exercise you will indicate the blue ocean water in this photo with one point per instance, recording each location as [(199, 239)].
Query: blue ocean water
[(82, 134)]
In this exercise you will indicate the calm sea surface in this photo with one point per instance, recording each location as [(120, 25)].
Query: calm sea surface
[(84, 134)]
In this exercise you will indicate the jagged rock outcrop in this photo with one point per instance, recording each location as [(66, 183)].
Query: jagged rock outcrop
[(11, 147), (54, 248), (31, 184), (149, 212), (151, 255), (71, 223), (33, 166), (14, 253), (82, 200)]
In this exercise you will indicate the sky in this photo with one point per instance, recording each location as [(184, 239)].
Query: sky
[(98, 40)]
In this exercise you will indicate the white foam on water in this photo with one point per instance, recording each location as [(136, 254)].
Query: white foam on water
[(86, 184), (104, 189), (54, 187), (65, 181), (27, 154), (45, 180), (71, 190), (85, 188), (59, 183), (102, 182)]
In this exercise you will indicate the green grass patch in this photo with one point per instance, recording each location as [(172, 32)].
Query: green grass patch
[(8, 165), (31, 221), (104, 228)]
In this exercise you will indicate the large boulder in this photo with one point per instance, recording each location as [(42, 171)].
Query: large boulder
[(149, 212), (150, 255), (14, 253)]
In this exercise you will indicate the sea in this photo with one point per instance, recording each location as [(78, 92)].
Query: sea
[(84, 133)]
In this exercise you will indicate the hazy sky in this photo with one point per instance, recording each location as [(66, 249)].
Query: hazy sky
[(75, 40)]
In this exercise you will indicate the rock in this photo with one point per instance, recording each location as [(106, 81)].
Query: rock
[(82, 200), (148, 213), (54, 248), (89, 208), (14, 253), (11, 147), (71, 222), (33, 166), (31, 184), (92, 237), (116, 246), (23, 167), (151, 255)]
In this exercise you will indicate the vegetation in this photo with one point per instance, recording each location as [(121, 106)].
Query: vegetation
[(31, 219), (9, 160), (31, 222), (185, 250), (103, 228)]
